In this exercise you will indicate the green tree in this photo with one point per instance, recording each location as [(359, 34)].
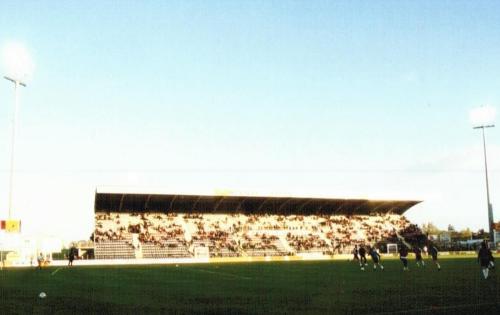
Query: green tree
[(466, 234), (430, 229)]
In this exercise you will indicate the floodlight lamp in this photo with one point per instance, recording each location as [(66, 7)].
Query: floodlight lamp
[(483, 116), (17, 62)]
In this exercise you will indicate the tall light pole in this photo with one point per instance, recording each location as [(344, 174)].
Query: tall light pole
[(17, 83), (490, 207)]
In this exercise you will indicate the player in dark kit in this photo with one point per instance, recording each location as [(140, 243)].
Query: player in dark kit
[(484, 257), (434, 253), (375, 258), (362, 257), (403, 256), (418, 256), (355, 253), (71, 255)]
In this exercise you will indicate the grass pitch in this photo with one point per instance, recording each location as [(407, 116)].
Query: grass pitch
[(314, 287)]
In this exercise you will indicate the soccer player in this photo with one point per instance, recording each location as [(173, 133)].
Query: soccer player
[(403, 256), (71, 255), (355, 253), (375, 258), (434, 253), (362, 257), (418, 256), (484, 258), (40, 260)]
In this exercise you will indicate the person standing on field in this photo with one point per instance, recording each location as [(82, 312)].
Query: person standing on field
[(362, 257), (40, 260), (375, 258), (403, 256), (484, 258), (433, 251), (71, 255), (418, 256), (355, 253)]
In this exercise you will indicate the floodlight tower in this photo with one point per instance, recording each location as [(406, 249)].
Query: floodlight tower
[(17, 83), (490, 207)]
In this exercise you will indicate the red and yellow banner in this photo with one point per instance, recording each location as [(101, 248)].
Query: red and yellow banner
[(11, 226)]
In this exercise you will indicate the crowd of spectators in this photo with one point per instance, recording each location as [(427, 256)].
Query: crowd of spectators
[(216, 236), (110, 232), (307, 243), (234, 234), (259, 242)]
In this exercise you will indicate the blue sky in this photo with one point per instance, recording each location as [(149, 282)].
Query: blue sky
[(340, 99)]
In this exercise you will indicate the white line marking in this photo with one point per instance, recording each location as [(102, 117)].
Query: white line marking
[(221, 273), (55, 271)]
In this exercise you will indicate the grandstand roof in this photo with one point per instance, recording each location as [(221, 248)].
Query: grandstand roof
[(182, 203)]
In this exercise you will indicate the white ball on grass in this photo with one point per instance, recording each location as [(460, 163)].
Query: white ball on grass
[(42, 295)]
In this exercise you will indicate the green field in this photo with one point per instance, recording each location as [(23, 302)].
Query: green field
[(320, 287)]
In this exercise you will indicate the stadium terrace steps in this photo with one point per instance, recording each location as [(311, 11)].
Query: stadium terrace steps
[(218, 248), (263, 245), (121, 249), (162, 235), (169, 251), (309, 243)]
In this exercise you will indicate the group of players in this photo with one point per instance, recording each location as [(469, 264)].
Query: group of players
[(485, 257), (360, 256), (431, 250)]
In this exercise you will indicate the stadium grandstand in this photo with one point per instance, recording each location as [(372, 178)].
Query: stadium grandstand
[(149, 226)]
